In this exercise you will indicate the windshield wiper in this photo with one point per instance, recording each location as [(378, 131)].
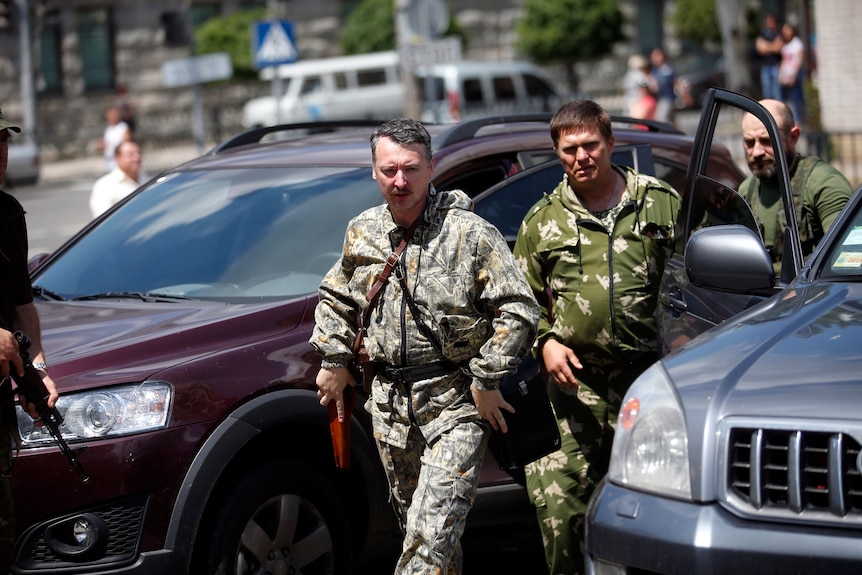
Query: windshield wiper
[(45, 293), (147, 297)]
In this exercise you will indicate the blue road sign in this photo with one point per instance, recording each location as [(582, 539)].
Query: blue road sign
[(273, 43)]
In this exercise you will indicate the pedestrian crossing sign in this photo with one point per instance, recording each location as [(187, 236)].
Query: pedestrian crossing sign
[(273, 43)]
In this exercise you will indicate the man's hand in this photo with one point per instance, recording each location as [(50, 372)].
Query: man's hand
[(10, 359), (52, 399), (561, 362), (331, 382), (489, 403)]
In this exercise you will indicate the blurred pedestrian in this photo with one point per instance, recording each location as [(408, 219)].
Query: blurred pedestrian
[(664, 85), (115, 132), (644, 108), (790, 74), (637, 74), (768, 46), (119, 182), (124, 103), (17, 312)]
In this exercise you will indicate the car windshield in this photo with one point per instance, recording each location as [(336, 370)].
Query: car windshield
[(845, 259), (230, 235)]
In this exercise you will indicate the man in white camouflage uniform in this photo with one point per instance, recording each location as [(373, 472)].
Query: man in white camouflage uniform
[(431, 403)]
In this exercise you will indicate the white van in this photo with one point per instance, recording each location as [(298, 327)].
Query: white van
[(368, 86), (347, 87), (469, 89)]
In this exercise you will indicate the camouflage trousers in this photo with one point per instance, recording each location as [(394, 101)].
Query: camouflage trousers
[(560, 484), (433, 487)]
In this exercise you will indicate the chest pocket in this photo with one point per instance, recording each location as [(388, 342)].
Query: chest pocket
[(462, 336)]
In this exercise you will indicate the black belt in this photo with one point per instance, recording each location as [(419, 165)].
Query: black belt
[(411, 373)]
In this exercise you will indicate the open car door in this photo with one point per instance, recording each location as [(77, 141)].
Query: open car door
[(697, 291)]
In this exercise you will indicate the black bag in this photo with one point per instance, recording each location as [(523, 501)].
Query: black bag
[(533, 431)]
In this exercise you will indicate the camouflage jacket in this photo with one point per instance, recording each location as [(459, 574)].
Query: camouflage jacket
[(819, 194), (472, 295), (598, 287)]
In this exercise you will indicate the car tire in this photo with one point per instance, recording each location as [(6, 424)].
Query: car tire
[(280, 517)]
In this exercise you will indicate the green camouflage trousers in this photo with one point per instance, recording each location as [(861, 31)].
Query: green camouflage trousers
[(560, 484), (432, 488)]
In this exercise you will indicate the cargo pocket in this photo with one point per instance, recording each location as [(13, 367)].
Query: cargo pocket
[(463, 336)]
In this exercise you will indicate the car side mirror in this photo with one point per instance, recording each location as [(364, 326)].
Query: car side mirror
[(729, 258)]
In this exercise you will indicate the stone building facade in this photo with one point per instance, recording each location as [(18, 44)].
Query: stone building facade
[(97, 45), (84, 49)]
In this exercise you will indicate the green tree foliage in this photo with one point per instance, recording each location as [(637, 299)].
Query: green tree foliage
[(696, 21), (370, 27), (231, 34), (568, 31)]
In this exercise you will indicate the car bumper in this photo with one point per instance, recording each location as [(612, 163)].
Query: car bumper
[(631, 532)]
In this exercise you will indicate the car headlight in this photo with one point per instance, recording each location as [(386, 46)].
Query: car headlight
[(105, 412), (650, 450)]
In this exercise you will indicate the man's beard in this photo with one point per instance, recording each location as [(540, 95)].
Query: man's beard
[(766, 172)]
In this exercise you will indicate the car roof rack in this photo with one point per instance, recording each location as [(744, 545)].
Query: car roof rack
[(255, 135), (650, 125), (467, 130), (459, 133)]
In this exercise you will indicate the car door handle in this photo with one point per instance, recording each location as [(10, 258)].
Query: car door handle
[(673, 301)]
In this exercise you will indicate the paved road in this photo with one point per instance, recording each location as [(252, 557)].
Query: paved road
[(488, 551)]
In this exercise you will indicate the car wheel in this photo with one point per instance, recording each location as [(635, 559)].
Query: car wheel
[(281, 517)]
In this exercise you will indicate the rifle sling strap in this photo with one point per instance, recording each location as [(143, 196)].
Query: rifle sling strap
[(374, 292)]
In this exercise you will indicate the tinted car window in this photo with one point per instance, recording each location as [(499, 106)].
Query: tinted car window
[(371, 77), (506, 206), (473, 91), (504, 88), (171, 239), (311, 84), (537, 86), (846, 257)]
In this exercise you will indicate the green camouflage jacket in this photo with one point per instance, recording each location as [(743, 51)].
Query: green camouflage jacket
[(598, 287), (466, 282), (819, 194)]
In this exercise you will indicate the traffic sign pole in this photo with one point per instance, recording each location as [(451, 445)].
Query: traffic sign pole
[(274, 45)]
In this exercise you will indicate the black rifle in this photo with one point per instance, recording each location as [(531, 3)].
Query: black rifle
[(34, 391)]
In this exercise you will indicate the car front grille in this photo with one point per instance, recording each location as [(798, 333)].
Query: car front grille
[(792, 473)]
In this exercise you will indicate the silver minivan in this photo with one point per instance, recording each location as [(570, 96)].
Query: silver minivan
[(469, 89), (366, 86), (369, 86)]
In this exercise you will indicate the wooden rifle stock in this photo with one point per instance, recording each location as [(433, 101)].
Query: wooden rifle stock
[(361, 367), (340, 431)]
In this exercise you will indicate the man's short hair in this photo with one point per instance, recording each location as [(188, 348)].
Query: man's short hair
[(580, 114), (403, 131)]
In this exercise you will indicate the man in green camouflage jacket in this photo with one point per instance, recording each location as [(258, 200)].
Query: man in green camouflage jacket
[(431, 402), (593, 251)]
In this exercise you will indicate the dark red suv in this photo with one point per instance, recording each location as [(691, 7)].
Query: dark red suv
[(176, 326)]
